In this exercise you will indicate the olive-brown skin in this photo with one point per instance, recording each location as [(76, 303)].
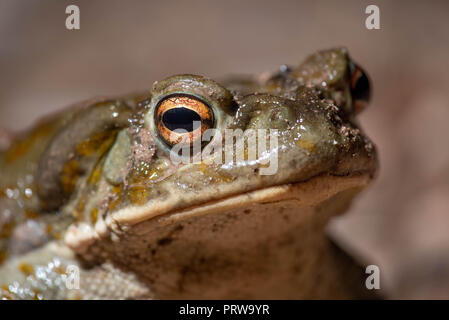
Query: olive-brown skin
[(112, 157)]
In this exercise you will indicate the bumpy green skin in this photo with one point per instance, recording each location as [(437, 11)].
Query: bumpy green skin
[(107, 159)]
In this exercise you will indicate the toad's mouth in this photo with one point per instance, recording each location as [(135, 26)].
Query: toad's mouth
[(306, 193)]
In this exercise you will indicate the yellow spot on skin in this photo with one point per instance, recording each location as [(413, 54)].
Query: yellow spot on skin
[(94, 215), (145, 173), (31, 214), (140, 181), (204, 168), (95, 143), (78, 213), (95, 176), (26, 268), (70, 174), (59, 270), (36, 295), (49, 230), (21, 147), (306, 144), (245, 154), (6, 230), (117, 196), (107, 143), (2, 256), (138, 194)]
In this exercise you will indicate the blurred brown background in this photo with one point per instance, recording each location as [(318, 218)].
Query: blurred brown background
[(401, 223)]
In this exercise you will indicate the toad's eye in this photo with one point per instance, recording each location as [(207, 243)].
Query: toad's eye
[(183, 119), (360, 87)]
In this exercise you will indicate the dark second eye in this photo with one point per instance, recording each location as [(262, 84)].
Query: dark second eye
[(360, 87), (183, 119)]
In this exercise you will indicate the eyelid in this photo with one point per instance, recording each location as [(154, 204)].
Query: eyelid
[(202, 88), (185, 101)]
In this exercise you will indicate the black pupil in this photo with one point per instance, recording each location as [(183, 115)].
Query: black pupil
[(180, 118)]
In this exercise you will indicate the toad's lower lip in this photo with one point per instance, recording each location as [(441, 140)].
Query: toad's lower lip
[(306, 193)]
